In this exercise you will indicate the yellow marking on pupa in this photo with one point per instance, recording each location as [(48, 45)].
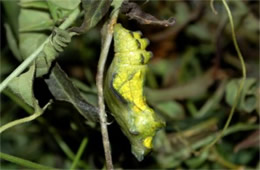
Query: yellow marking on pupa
[(148, 142)]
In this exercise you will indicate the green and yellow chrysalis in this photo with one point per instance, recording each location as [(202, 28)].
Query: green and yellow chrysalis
[(124, 91)]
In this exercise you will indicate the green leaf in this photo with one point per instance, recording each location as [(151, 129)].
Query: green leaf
[(34, 20), (88, 93), (59, 9), (94, 12), (29, 21), (65, 4), (22, 86), (33, 4), (197, 161), (212, 103), (199, 31), (171, 109), (12, 43), (248, 98), (12, 10), (29, 42), (63, 89), (161, 67)]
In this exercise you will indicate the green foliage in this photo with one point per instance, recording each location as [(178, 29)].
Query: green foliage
[(32, 23), (22, 86), (248, 98), (63, 89), (192, 83), (171, 109), (94, 12), (12, 42)]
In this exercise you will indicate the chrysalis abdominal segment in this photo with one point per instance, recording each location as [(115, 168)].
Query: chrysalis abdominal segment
[(124, 91)]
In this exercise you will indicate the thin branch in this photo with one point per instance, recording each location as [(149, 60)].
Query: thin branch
[(38, 112), (70, 20), (108, 34), (102, 114), (242, 82)]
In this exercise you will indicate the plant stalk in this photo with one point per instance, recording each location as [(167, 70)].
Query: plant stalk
[(107, 39)]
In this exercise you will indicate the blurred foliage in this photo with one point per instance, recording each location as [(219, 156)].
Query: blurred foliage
[(192, 80)]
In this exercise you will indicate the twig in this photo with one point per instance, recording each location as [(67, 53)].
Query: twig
[(38, 112), (99, 81), (219, 47), (102, 114), (70, 20), (241, 85)]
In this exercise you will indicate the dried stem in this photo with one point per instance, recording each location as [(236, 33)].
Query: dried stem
[(108, 34), (102, 114)]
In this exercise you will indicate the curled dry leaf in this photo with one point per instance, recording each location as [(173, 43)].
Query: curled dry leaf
[(133, 11)]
